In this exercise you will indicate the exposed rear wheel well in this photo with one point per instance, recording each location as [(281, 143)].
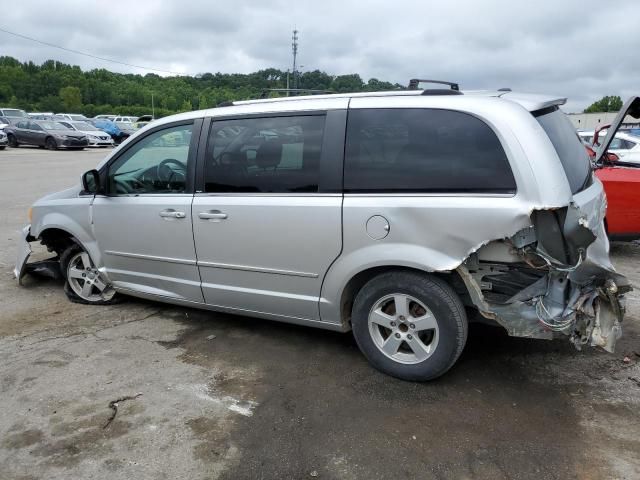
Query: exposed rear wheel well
[(359, 280), (57, 240)]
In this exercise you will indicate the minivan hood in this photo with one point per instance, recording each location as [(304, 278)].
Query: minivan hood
[(71, 192)]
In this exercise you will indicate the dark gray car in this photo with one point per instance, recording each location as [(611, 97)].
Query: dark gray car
[(45, 133)]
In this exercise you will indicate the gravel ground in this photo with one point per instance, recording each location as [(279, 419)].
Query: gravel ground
[(222, 396)]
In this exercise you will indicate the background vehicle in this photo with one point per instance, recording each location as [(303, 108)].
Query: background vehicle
[(95, 136), (4, 141), (78, 117), (112, 129), (13, 113), (44, 133), (621, 181), (125, 119), (417, 206), (4, 122), (624, 145), (143, 121), (106, 117)]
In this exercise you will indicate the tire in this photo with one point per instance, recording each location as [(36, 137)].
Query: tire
[(422, 340), (73, 262), (3, 147), (50, 144), (13, 142)]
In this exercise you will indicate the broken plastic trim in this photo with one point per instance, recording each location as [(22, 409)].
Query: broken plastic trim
[(572, 288)]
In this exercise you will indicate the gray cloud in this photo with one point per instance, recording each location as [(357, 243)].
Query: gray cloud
[(582, 49)]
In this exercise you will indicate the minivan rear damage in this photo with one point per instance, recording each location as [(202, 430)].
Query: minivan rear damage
[(552, 278)]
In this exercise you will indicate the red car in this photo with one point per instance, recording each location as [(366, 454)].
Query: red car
[(621, 180)]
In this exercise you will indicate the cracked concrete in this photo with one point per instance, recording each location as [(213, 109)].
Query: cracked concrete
[(233, 397)]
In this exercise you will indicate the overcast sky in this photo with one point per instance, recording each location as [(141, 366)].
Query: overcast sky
[(581, 49)]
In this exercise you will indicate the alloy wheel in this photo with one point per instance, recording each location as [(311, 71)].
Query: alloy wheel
[(403, 328), (86, 281)]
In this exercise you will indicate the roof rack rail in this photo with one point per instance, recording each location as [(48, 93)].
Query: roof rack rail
[(414, 82), (294, 91), (226, 103)]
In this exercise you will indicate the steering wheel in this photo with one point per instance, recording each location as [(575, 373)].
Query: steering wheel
[(166, 173)]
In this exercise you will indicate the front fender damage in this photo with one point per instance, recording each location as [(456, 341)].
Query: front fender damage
[(559, 280)]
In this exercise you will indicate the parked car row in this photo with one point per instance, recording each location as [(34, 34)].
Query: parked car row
[(59, 130)]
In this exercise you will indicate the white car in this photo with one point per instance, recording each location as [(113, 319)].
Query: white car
[(125, 119), (96, 137), (625, 145), (72, 117)]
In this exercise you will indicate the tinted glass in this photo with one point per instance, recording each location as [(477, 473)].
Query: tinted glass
[(8, 112), (52, 125), (81, 126), (423, 150), (155, 164), (573, 155), (280, 154)]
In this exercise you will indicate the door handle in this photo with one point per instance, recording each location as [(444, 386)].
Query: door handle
[(170, 213), (212, 215)]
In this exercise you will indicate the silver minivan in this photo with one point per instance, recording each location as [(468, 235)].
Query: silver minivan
[(399, 215)]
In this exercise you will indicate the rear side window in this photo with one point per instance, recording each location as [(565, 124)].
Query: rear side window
[(563, 136), (276, 155), (423, 150)]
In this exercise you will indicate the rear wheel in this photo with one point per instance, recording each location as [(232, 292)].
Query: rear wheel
[(50, 144), (409, 325), (13, 141), (84, 283)]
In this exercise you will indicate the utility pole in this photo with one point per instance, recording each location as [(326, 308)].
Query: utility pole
[(294, 47)]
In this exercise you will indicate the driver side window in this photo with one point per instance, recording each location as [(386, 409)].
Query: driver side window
[(155, 164)]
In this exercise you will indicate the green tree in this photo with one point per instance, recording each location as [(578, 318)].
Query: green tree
[(50, 103), (605, 104), (56, 86), (71, 98)]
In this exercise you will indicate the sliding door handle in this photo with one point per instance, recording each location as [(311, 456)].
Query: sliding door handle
[(171, 213), (212, 215)]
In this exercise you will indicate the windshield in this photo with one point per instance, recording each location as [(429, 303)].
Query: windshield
[(83, 126), (8, 112), (53, 126), (78, 117), (569, 148)]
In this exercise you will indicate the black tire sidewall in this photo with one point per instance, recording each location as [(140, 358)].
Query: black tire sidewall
[(50, 144), (438, 297)]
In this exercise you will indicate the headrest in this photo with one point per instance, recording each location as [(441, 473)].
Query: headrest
[(269, 154)]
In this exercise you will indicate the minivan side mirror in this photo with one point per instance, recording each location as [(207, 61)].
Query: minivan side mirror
[(91, 182)]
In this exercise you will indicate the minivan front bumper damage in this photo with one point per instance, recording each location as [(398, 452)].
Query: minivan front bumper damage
[(561, 282), (24, 252)]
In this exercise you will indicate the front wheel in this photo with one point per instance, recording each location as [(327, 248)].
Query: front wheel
[(13, 141), (50, 144), (409, 325), (84, 283)]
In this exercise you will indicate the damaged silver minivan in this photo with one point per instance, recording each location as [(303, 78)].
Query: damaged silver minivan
[(398, 215)]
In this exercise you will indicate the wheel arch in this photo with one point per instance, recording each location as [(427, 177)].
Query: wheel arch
[(357, 281), (58, 230)]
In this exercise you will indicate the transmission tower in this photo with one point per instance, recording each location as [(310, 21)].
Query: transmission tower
[(294, 48)]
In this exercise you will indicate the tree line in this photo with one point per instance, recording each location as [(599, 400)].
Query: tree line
[(59, 87)]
